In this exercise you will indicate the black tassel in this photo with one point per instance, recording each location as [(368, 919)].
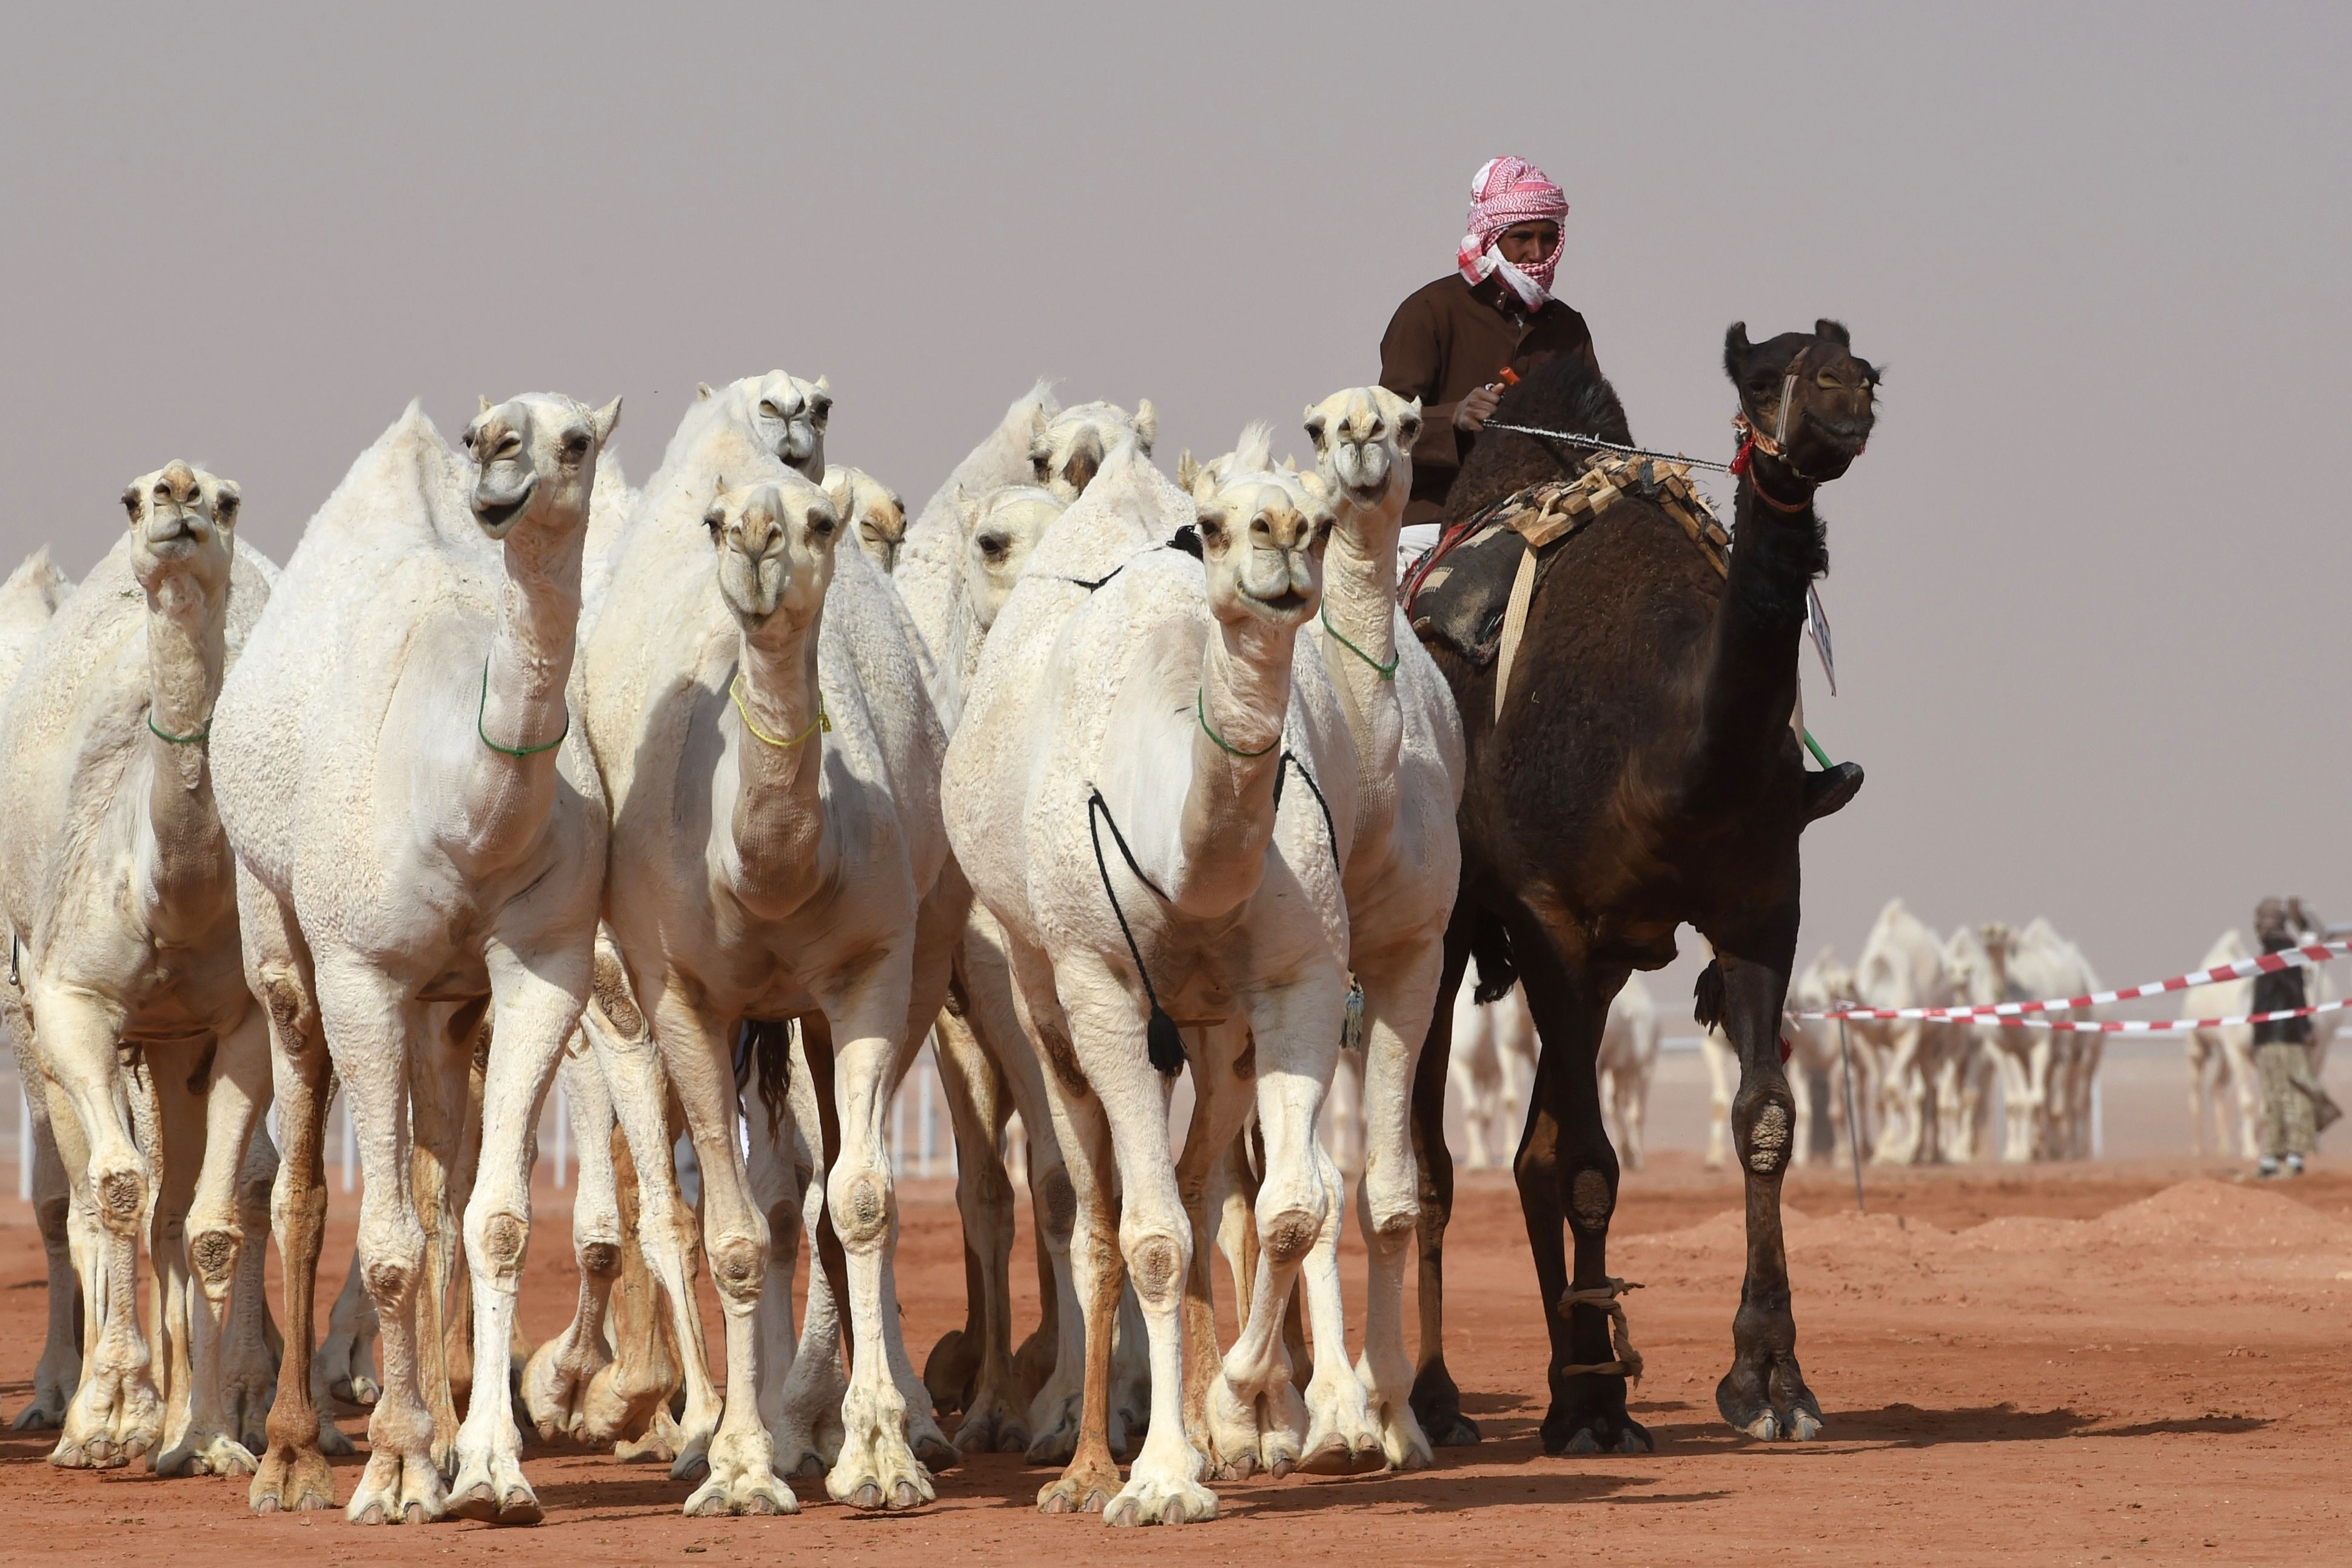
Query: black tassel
[(1167, 1042)]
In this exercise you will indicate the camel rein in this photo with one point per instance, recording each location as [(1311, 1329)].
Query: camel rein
[(481, 709)]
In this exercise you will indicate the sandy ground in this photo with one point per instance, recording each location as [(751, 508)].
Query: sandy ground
[(2128, 1362)]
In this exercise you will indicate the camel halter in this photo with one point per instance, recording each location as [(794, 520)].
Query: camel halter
[(176, 740), (1385, 671), (1200, 707), (735, 690), (480, 709)]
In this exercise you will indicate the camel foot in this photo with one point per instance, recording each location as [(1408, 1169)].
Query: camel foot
[(879, 1470), (398, 1489), (291, 1480), (948, 1372), (1588, 1417), (1403, 1446), (935, 1453), (1340, 1438), (1081, 1488), (1437, 1405), (661, 1442), (491, 1489), (206, 1454), (46, 1413), (1161, 1500), (989, 1426), (555, 1386), (742, 1482), (1770, 1404), (333, 1441), (1054, 1429)]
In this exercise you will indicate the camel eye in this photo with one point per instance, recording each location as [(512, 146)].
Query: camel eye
[(821, 409), (994, 548), (823, 523), (575, 445), (714, 520), (226, 508)]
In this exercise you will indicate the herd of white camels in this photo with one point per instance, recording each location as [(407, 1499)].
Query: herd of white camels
[(1924, 1092), (513, 771)]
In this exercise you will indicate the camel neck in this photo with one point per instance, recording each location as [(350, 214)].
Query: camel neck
[(1357, 628), (1751, 684), (187, 643), (1228, 820), (778, 854), (522, 715)]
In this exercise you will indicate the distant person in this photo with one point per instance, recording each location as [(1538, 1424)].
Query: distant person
[(1449, 342), (2295, 1108)]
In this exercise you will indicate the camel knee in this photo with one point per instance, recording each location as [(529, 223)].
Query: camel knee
[(739, 1267), (1057, 1204), (1156, 1262), (1591, 1199), (390, 1266), (600, 1259), (121, 1194), (212, 1253), (861, 1209), (1391, 1209), (1287, 1235), (496, 1243), (1767, 1138)]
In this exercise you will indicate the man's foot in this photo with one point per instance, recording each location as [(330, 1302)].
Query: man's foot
[(2268, 1168), (2294, 1164), (1826, 793)]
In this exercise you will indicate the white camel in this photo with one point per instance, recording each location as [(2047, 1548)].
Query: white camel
[(119, 893), (771, 759), (28, 599), (1976, 961), (1403, 868), (402, 864), (1495, 1049), (1817, 1049), (1071, 446), (871, 511), (2222, 1059), (2042, 963), (1628, 1062), (1902, 965), (1233, 907)]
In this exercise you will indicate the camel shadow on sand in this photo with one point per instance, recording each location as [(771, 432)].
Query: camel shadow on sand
[(1901, 1426)]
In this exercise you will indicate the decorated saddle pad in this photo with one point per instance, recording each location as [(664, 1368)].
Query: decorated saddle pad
[(1461, 593)]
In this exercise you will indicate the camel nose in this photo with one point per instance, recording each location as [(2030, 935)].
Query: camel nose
[(761, 531), (179, 482)]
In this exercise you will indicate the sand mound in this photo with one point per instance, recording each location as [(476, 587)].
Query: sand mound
[(2224, 1215), (1728, 1229)]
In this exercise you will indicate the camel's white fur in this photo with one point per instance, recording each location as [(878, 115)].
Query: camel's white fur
[(1902, 965)]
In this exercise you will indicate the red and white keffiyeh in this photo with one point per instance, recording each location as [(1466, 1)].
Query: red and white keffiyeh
[(1504, 192)]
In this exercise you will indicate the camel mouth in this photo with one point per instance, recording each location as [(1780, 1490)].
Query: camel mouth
[(1289, 602), (496, 516), (1852, 435), (796, 443)]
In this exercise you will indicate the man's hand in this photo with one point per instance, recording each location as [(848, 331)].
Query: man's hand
[(1471, 413)]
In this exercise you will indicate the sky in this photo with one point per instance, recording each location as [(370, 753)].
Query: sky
[(2088, 583)]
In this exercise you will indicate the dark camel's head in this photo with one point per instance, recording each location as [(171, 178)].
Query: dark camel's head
[(1808, 398)]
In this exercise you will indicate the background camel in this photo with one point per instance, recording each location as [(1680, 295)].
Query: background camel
[(119, 897), (1639, 772), (871, 511), (1902, 965), (2220, 1061), (419, 837)]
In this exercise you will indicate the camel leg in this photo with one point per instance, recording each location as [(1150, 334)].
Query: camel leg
[(635, 1388), (1400, 1000), (696, 1052), (1568, 1176), (250, 1343), (1221, 1106), (808, 1434), (974, 1365), (1436, 1402), (293, 1475), (60, 1368), (116, 1415), (206, 1250), (1764, 1393), (1341, 1434), (2017, 1133), (556, 1379), (174, 1077), (347, 1354), (773, 1169), (439, 1072), (537, 989)]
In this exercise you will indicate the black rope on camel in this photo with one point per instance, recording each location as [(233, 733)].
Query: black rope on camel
[(1165, 1040), (1331, 830)]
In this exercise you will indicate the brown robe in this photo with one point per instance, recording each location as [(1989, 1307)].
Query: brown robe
[(1446, 341)]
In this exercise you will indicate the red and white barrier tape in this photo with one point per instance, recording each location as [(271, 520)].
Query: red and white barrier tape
[(2096, 1026), (1992, 1012)]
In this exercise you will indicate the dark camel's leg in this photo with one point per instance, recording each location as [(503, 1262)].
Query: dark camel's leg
[(1436, 1402), (1763, 1394), (1567, 1176)]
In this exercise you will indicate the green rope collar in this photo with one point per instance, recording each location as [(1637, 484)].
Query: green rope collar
[(735, 690), (482, 708), (1200, 707), (1386, 671), (176, 740)]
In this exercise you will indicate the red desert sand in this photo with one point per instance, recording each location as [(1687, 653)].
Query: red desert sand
[(2128, 1363)]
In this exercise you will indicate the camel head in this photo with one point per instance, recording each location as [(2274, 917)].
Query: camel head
[(788, 416), (775, 544), (1000, 529), (536, 457), (1263, 532), (876, 516), (1808, 400), (1363, 444), (1068, 449), (183, 527), (1825, 984)]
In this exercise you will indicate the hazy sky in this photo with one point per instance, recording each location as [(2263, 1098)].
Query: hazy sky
[(2089, 579)]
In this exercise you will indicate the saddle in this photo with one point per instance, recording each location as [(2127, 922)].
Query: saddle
[(1471, 593)]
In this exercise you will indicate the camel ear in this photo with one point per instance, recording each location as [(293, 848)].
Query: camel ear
[(606, 420), (1315, 427), (225, 500), (1188, 473), (824, 385), (1408, 424), (1736, 350), (701, 390), (1147, 425), (1311, 481), (484, 402), (1833, 330), (836, 485), (967, 510), (131, 501)]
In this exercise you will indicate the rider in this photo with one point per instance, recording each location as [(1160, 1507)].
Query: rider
[(1449, 343)]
